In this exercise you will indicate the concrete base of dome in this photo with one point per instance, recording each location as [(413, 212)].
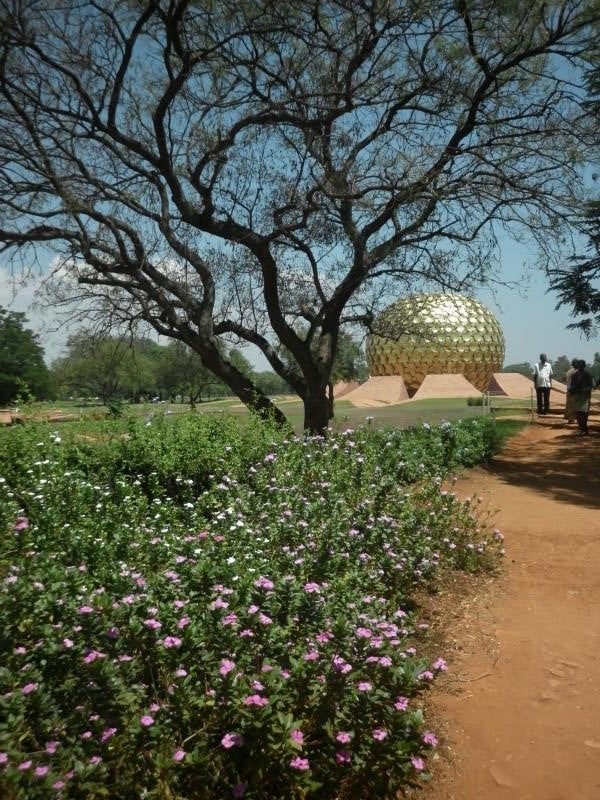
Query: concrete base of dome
[(517, 386), (342, 388), (379, 391), (451, 385)]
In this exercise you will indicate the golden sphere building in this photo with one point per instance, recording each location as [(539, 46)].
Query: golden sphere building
[(432, 334)]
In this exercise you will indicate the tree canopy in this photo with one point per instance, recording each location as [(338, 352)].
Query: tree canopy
[(577, 283), (23, 372), (110, 367), (224, 171)]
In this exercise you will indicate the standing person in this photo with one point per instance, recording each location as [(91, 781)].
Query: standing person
[(570, 415), (542, 380), (581, 390)]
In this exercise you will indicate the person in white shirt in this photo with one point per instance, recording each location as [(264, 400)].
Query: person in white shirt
[(542, 380)]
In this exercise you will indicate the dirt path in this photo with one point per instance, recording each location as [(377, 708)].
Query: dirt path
[(521, 703)]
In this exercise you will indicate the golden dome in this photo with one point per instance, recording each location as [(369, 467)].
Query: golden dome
[(428, 334)]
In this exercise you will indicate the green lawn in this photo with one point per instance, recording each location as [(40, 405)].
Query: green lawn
[(400, 415)]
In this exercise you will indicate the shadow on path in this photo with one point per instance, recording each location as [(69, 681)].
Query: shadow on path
[(570, 473)]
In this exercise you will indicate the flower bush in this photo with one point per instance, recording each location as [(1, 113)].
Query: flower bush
[(203, 610)]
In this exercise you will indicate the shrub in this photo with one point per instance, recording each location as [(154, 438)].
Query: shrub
[(231, 613)]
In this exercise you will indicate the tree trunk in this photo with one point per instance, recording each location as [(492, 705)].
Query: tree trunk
[(240, 384), (331, 400), (316, 412)]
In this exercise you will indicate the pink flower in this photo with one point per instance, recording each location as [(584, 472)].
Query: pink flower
[(430, 738), (29, 688), (179, 755), (85, 610), (300, 764), (264, 619), (95, 760), (343, 757), (153, 624), (171, 642), (86, 735), (51, 747), (183, 622), (24, 766), (255, 700), (379, 734), (363, 633), (232, 740), (440, 664), (226, 666), (230, 619), (297, 736), (418, 763), (312, 588), (92, 656), (58, 785), (41, 771), (312, 655), (264, 583), (340, 665), (107, 734), (21, 524), (343, 737), (180, 673), (239, 790), (3, 758), (364, 686), (401, 703), (323, 637), (68, 643), (146, 721)]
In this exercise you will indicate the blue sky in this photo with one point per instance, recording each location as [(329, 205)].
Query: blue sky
[(527, 316)]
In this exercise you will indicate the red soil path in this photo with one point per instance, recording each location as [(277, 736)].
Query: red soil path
[(519, 710)]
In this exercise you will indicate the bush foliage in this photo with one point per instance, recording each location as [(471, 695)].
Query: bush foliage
[(201, 609)]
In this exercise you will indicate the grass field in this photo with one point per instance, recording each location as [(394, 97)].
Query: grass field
[(400, 415)]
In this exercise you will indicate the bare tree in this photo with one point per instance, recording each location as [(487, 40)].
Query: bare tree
[(229, 169)]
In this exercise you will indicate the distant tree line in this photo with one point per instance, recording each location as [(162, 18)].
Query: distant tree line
[(138, 369), (131, 368)]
